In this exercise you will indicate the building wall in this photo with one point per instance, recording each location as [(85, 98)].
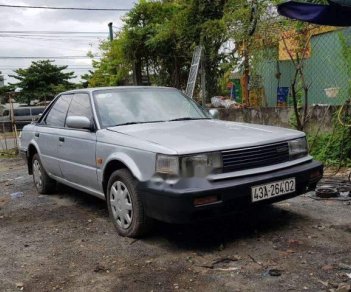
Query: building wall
[(325, 68)]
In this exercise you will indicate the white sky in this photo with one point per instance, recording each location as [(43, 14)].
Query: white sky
[(19, 19)]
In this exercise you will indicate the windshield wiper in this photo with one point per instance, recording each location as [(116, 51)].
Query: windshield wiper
[(173, 120), (135, 123), (187, 119), (125, 124)]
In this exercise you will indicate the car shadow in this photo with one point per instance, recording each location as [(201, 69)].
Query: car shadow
[(84, 200), (216, 233), (207, 235)]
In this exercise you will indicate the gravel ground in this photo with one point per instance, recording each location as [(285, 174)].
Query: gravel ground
[(66, 241)]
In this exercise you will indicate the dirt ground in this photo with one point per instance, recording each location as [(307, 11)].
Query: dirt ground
[(66, 242)]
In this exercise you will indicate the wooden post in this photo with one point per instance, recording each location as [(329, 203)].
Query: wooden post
[(246, 92), (13, 123), (3, 128)]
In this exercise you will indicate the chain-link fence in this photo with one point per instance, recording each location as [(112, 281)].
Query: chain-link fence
[(8, 131), (8, 141), (309, 62)]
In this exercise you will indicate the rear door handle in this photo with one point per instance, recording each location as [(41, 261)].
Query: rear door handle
[(36, 134), (61, 139)]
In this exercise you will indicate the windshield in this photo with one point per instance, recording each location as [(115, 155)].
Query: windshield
[(143, 105)]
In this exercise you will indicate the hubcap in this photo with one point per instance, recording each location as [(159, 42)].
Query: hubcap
[(121, 204), (37, 174)]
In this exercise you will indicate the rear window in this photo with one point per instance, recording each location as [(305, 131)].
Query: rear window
[(21, 112)]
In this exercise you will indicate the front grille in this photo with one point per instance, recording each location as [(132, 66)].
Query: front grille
[(252, 157)]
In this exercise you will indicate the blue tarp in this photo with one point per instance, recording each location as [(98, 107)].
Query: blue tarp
[(333, 14)]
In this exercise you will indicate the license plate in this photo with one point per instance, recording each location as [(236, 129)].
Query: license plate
[(273, 189)]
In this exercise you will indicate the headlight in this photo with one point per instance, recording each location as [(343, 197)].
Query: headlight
[(167, 164), (199, 165), (298, 148)]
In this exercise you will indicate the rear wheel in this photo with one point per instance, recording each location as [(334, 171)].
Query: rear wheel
[(43, 183), (125, 206)]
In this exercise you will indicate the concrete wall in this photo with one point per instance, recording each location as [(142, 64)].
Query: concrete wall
[(319, 116)]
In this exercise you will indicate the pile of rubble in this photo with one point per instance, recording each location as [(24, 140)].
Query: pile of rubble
[(224, 102)]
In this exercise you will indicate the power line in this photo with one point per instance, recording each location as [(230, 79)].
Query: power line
[(80, 40), (27, 66), (71, 69), (65, 8), (47, 57), (50, 32), (49, 37)]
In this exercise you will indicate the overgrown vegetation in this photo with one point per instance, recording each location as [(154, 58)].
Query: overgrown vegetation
[(334, 148), (157, 40)]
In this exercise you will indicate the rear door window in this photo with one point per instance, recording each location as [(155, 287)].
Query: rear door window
[(57, 114)]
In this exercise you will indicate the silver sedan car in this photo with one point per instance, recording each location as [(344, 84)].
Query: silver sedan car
[(153, 153)]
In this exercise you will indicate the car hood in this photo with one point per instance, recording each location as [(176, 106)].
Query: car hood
[(200, 136)]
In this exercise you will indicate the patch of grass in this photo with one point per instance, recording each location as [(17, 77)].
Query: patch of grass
[(7, 135), (11, 153), (333, 149)]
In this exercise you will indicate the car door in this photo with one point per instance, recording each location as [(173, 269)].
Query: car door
[(48, 132), (77, 148)]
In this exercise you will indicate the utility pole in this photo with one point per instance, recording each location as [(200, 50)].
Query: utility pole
[(110, 29)]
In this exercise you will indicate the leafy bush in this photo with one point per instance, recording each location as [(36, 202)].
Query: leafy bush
[(334, 149)]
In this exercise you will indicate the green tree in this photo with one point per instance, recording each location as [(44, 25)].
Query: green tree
[(4, 90), (42, 81), (153, 42), (157, 43), (113, 67), (204, 25)]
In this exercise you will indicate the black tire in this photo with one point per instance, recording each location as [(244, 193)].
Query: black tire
[(118, 204), (43, 183)]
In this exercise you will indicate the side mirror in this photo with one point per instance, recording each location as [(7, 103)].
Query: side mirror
[(78, 122), (214, 113)]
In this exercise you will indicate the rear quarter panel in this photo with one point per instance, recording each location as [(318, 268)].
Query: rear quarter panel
[(27, 137)]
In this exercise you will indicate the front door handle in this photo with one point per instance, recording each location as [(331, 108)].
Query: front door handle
[(61, 139)]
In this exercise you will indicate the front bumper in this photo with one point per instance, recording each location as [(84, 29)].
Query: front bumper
[(175, 204)]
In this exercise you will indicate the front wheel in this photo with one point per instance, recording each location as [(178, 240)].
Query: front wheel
[(125, 206), (43, 183)]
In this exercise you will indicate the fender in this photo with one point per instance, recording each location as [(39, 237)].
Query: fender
[(34, 143), (126, 160)]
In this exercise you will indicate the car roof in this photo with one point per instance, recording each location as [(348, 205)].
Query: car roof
[(92, 89)]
